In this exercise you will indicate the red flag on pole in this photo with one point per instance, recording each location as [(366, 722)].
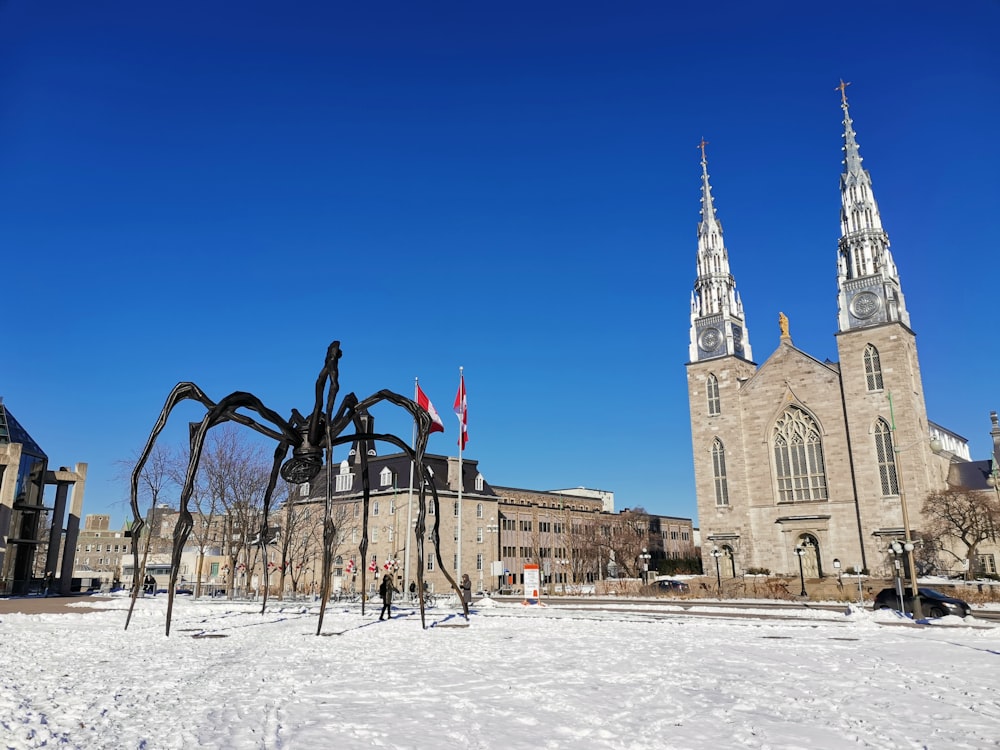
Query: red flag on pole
[(462, 411), (425, 403)]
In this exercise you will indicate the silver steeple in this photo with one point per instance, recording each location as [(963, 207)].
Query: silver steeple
[(869, 292), (718, 328)]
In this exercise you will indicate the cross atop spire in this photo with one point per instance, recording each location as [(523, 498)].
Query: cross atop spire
[(702, 147), (842, 88)]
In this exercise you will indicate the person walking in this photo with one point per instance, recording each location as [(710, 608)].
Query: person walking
[(466, 589), (413, 591), (386, 589), (46, 583)]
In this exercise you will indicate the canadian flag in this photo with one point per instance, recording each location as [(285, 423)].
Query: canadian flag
[(425, 403), (350, 567), (462, 411), (373, 566)]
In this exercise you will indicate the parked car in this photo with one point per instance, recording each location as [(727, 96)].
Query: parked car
[(670, 585), (932, 603)]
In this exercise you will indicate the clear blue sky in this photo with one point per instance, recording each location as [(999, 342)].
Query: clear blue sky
[(215, 191)]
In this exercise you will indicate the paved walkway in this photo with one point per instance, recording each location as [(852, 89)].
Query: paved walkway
[(38, 605)]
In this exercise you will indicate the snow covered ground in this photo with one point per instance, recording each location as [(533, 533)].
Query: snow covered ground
[(514, 677)]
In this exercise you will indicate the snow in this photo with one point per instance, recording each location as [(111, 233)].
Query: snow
[(633, 676)]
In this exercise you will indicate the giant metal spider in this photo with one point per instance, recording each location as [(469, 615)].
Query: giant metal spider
[(309, 439)]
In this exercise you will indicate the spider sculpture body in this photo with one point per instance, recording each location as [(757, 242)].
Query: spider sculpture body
[(311, 441)]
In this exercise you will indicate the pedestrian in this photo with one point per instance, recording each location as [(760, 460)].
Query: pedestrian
[(150, 585), (413, 591), (386, 589), (466, 589), (46, 583)]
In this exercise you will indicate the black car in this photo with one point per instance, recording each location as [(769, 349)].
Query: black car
[(932, 603), (669, 585)]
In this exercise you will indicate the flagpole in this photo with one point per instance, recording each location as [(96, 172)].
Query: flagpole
[(409, 501), (461, 441)]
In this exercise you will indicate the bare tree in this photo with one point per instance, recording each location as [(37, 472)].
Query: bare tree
[(630, 534), (959, 520), (156, 477), (236, 474)]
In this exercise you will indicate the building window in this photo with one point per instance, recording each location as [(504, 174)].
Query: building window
[(392, 506), (719, 472), (873, 369), (714, 406), (374, 534), (509, 524), (374, 507), (430, 561), (886, 459), (525, 525), (304, 489), (456, 508), (986, 564), (798, 457), (345, 479), (479, 510), (454, 561), (479, 534), (479, 482), (479, 561), (214, 570), (385, 477)]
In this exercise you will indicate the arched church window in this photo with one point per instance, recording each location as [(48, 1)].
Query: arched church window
[(714, 405), (798, 457), (886, 458), (719, 472), (873, 369)]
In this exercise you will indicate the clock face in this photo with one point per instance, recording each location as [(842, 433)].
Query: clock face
[(865, 304), (710, 339)]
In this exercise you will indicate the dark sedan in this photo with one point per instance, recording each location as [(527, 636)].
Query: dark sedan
[(669, 585), (932, 603)]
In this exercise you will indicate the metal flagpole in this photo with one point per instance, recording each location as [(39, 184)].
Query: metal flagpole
[(461, 441), (409, 502)]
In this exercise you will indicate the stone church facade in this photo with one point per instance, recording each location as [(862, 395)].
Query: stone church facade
[(798, 454)]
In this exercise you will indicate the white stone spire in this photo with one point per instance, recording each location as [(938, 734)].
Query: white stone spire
[(718, 328), (869, 292)]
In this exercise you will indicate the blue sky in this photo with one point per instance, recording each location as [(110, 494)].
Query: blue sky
[(215, 191)]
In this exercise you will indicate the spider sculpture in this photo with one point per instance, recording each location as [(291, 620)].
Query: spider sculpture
[(311, 440)]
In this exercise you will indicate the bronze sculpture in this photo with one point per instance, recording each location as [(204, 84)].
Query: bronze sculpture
[(310, 439)]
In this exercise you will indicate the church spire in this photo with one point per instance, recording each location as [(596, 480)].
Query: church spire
[(867, 280), (718, 328)]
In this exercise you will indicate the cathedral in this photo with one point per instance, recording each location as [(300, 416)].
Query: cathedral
[(799, 460)]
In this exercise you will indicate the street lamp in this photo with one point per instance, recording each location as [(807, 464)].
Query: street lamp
[(717, 553), (497, 565), (645, 565), (801, 551), (836, 566), (935, 445)]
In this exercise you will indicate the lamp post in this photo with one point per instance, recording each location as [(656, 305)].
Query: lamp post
[(645, 565), (836, 566), (717, 553), (496, 565), (935, 445), (800, 551)]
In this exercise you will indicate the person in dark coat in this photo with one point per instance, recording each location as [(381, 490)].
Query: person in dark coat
[(466, 588), (386, 589), (413, 591)]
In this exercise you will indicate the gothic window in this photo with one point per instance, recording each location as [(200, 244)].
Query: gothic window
[(719, 472), (385, 477), (873, 369), (886, 458), (480, 481), (714, 407), (798, 457)]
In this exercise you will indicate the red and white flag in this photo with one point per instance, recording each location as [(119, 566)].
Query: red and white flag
[(425, 403), (373, 565), (350, 567), (462, 411)]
